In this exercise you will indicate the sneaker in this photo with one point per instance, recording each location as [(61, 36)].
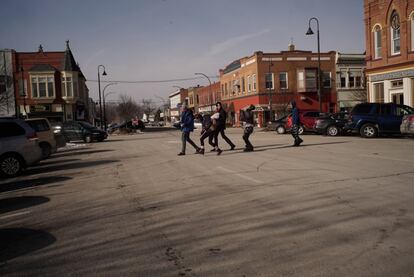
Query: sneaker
[(232, 147), (300, 141), (247, 149), (219, 152), (181, 154), (213, 150), (200, 151)]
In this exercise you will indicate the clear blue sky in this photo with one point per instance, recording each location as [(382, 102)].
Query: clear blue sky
[(169, 39)]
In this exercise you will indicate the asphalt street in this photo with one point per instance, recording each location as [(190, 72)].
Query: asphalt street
[(130, 206)]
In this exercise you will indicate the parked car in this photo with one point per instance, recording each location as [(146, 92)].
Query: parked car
[(373, 119), (331, 125), (19, 147), (44, 131), (307, 121), (407, 125), (81, 130), (278, 125)]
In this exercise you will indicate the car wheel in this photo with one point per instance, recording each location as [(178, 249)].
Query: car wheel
[(280, 130), (10, 165), (88, 139), (46, 150), (332, 131), (301, 130), (368, 131)]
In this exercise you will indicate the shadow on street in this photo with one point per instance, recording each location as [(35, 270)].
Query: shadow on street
[(21, 202), (15, 242), (16, 185), (52, 168)]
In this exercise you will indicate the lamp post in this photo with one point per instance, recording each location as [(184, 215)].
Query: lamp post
[(100, 97), (24, 93), (310, 32), (211, 96), (270, 91), (103, 99)]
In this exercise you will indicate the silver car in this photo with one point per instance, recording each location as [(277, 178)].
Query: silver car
[(19, 147), (407, 125)]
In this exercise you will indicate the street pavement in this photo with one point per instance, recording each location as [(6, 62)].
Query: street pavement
[(130, 206)]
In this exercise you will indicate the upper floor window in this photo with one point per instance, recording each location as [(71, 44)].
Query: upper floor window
[(249, 83), (254, 82), (283, 80), (342, 79), (67, 88), (377, 42), (269, 81), (310, 77), (395, 33), (397, 83), (412, 30), (43, 86), (326, 79), (243, 87)]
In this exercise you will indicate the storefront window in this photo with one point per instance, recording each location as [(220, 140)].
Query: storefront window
[(379, 92)]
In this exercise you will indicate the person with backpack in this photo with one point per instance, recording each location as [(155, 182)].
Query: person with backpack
[(207, 131), (295, 124), (187, 126), (247, 118), (221, 126)]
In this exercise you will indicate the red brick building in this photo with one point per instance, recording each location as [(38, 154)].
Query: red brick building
[(208, 96), (389, 31), (273, 79), (51, 85)]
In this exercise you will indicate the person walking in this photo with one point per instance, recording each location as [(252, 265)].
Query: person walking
[(295, 124), (221, 125), (247, 118), (207, 131), (187, 126)]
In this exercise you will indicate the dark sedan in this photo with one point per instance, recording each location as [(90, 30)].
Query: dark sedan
[(80, 130), (278, 125), (331, 125)]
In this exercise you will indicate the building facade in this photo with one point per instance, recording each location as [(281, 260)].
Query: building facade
[(208, 96), (271, 80), (176, 99), (350, 76), (389, 29), (193, 98), (51, 85)]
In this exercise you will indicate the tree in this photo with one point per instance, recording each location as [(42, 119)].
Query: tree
[(148, 106), (128, 108)]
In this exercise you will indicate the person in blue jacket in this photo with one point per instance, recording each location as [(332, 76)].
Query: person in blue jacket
[(187, 126), (295, 124)]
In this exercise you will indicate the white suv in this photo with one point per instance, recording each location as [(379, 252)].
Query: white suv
[(19, 146)]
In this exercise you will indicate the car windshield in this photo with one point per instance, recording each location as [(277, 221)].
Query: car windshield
[(87, 125)]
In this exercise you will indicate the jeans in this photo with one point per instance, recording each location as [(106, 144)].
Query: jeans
[(185, 137), (207, 134), (295, 132)]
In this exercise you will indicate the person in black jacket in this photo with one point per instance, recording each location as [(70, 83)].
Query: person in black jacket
[(207, 131), (221, 126), (247, 118), (295, 124)]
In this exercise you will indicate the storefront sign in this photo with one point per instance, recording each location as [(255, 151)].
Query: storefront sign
[(392, 75)]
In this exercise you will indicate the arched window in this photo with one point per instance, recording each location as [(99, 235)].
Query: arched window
[(395, 33), (411, 19), (377, 41)]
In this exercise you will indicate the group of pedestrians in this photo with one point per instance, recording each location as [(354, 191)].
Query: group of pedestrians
[(215, 125)]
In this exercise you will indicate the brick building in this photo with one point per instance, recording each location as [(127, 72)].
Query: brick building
[(51, 85), (273, 79), (208, 96), (389, 31), (193, 98)]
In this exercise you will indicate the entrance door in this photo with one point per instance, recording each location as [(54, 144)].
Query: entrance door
[(398, 98)]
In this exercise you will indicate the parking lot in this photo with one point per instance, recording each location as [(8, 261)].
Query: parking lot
[(129, 206)]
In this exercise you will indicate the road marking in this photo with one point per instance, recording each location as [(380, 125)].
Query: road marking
[(240, 175), (15, 214), (387, 158)]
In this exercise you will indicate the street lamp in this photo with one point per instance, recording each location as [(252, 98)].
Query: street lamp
[(103, 96), (308, 33), (100, 97), (211, 95), (270, 90), (24, 93)]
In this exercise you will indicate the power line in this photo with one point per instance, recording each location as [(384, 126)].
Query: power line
[(153, 81)]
